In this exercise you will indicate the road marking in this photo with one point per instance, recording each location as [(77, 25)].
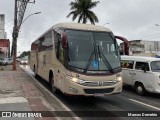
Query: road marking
[(13, 100), (145, 104)]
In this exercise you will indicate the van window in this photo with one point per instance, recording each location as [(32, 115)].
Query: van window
[(141, 65), (127, 64)]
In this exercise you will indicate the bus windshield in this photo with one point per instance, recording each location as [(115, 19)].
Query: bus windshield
[(92, 51)]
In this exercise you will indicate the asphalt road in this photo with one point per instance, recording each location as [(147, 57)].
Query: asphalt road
[(111, 106)]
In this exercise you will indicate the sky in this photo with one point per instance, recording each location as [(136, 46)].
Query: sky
[(132, 19)]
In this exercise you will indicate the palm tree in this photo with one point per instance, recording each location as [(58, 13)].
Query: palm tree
[(82, 9)]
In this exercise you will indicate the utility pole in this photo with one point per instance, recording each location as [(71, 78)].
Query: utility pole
[(20, 7), (15, 35)]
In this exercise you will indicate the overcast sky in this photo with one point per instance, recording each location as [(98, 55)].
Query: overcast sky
[(132, 19)]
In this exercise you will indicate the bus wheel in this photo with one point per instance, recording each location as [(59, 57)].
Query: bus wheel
[(140, 90), (51, 82)]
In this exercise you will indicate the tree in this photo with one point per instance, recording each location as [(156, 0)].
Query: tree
[(82, 9), (25, 53)]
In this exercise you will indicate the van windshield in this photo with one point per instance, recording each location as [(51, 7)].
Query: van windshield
[(155, 66)]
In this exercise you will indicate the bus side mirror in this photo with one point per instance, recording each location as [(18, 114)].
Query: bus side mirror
[(126, 45), (64, 41)]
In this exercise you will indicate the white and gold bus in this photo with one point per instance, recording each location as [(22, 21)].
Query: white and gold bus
[(78, 59)]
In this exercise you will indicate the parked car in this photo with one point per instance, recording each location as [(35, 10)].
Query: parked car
[(24, 61), (6, 61), (1, 59), (143, 73), (18, 59)]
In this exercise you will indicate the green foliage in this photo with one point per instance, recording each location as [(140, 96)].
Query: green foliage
[(82, 10), (25, 53)]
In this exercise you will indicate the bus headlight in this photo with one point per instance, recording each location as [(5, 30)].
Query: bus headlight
[(75, 80), (119, 77)]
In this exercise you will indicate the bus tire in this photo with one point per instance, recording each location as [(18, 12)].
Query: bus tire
[(139, 88), (51, 82)]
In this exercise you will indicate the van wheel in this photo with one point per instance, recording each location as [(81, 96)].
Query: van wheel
[(140, 90), (51, 82)]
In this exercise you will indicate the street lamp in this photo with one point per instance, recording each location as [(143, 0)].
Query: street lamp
[(15, 35), (27, 18)]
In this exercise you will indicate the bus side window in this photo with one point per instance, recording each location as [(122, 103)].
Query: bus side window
[(58, 47), (57, 40), (61, 54), (35, 45), (45, 42), (40, 44)]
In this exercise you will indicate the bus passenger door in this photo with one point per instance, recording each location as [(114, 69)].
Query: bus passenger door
[(61, 68), (60, 61), (59, 78)]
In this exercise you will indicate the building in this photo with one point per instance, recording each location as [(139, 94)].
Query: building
[(2, 27), (4, 43), (4, 48), (143, 48)]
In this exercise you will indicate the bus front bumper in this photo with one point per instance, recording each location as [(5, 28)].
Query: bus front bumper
[(73, 88)]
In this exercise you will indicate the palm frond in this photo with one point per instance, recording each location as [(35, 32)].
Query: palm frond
[(82, 10)]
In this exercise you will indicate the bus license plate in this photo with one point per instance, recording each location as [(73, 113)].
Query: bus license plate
[(98, 94)]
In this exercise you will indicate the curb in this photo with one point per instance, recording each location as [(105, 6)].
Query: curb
[(55, 102), (13, 100)]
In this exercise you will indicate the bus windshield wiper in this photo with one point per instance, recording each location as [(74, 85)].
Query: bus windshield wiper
[(90, 60), (106, 62), (97, 53)]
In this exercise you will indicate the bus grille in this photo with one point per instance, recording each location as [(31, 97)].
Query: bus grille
[(94, 91), (99, 83)]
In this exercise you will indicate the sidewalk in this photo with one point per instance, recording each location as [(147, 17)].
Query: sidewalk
[(18, 93)]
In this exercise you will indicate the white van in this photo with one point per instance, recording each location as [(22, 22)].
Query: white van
[(143, 73)]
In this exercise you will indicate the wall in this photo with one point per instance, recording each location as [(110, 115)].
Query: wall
[(4, 48), (2, 28)]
